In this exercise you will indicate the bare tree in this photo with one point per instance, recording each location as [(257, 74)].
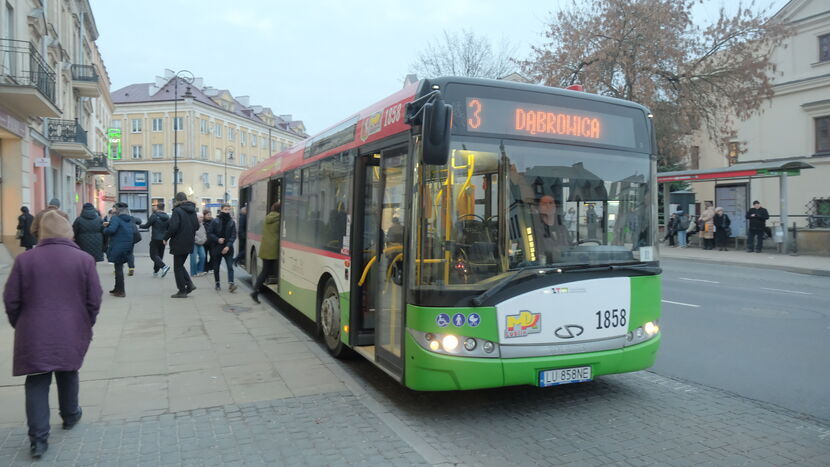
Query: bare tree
[(649, 51), (465, 54)]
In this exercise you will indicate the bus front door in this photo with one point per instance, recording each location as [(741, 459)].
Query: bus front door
[(380, 289)]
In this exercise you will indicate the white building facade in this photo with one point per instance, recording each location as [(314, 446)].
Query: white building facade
[(54, 108)]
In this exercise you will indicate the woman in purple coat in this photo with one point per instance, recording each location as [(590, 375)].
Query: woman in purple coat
[(52, 298)]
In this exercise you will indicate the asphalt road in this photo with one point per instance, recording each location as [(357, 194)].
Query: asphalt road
[(759, 333)]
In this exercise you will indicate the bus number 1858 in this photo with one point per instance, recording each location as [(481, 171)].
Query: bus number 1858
[(611, 318)]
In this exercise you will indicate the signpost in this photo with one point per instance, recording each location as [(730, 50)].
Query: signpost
[(114, 143)]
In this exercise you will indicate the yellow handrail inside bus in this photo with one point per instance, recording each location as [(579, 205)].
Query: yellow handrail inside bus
[(366, 271)]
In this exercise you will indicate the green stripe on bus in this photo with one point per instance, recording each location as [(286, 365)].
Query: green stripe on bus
[(645, 300)]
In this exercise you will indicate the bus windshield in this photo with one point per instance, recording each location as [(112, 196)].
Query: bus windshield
[(502, 205)]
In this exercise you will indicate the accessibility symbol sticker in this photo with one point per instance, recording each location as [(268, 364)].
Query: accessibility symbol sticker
[(458, 319), (442, 320), (474, 320)]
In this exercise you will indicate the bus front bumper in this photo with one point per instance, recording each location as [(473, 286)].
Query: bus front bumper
[(428, 371)]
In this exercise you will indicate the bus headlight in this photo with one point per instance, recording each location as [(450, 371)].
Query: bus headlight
[(457, 346), (488, 346), (470, 344), (642, 333), (450, 343)]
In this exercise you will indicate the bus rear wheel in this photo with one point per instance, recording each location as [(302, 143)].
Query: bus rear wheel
[(329, 316)]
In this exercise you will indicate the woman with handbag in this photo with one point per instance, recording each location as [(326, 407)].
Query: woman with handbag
[(24, 229), (721, 222)]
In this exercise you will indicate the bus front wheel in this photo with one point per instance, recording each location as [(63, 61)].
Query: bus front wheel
[(329, 317)]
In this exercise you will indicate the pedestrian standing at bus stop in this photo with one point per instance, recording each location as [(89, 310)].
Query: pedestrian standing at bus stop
[(181, 235), (757, 216), (52, 298), (269, 249), (222, 235)]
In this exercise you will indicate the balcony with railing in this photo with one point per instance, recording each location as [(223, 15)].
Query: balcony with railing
[(99, 164), (27, 84), (85, 80), (68, 138)]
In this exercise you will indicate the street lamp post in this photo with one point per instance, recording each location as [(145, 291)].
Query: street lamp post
[(228, 150), (187, 77)]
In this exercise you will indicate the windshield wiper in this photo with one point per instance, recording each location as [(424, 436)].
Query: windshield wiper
[(479, 299), (618, 267)]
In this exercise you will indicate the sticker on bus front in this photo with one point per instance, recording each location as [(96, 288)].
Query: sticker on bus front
[(442, 320), (458, 319)]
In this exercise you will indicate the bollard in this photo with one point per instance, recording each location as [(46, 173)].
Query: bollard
[(794, 249)]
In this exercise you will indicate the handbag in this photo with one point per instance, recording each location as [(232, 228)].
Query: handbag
[(728, 231), (19, 234), (136, 234)]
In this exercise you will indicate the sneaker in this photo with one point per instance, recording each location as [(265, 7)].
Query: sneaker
[(38, 449), (155, 274), (191, 289), (118, 294), (179, 295), (232, 288), (218, 287), (165, 270), (131, 272), (68, 424), (255, 297)]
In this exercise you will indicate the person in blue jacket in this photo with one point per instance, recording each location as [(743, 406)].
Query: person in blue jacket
[(121, 230)]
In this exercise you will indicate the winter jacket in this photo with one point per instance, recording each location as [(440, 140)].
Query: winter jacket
[(158, 221), (24, 223), (219, 229), (708, 226), (758, 222), (121, 233), (52, 299), (181, 231), (269, 247), (89, 233)]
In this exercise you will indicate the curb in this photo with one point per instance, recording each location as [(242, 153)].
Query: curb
[(795, 269)]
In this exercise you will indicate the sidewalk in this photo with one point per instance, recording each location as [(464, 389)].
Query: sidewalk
[(815, 265), (210, 379)]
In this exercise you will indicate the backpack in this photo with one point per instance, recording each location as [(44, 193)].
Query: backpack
[(684, 222), (201, 235)]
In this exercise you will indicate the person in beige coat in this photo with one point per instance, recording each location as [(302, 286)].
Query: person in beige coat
[(708, 220)]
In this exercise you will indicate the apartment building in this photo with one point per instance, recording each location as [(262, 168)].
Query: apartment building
[(209, 135), (54, 108)]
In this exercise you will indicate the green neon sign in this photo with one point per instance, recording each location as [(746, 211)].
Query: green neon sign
[(114, 143)]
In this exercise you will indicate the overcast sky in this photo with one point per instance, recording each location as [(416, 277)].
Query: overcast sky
[(319, 60)]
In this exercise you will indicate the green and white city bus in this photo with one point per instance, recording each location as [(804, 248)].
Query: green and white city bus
[(469, 233)]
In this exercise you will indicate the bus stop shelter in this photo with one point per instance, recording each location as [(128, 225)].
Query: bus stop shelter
[(742, 171)]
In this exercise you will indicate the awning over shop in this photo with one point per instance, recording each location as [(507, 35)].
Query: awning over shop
[(744, 170)]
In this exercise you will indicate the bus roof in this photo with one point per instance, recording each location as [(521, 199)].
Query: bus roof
[(386, 118)]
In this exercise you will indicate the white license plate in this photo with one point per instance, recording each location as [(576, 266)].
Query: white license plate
[(564, 376)]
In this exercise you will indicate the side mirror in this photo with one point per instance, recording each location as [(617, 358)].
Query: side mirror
[(436, 132)]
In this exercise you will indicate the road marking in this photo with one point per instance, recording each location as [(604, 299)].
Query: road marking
[(788, 291), (680, 303), (698, 280)]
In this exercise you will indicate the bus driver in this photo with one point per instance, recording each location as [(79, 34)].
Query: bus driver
[(549, 234)]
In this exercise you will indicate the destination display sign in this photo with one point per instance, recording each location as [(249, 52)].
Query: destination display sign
[(545, 121)]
